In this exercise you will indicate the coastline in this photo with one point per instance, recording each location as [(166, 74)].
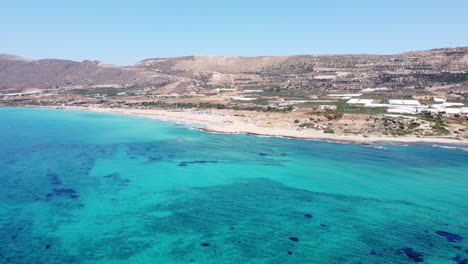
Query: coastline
[(230, 122)]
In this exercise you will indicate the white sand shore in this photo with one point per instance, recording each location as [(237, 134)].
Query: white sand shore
[(228, 121)]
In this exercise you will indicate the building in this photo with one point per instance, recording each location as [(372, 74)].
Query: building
[(360, 101), (22, 94), (225, 89), (325, 77), (402, 110), (404, 102), (439, 99), (367, 90), (327, 107), (252, 91), (344, 95), (243, 99)]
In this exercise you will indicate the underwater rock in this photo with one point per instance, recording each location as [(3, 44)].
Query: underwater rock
[(185, 163), (205, 244), (113, 175), (459, 260), (308, 216), (410, 253), (323, 225), (289, 252), (54, 179), (450, 237), (154, 159), (48, 246), (375, 253), (262, 154), (294, 239), (60, 191)]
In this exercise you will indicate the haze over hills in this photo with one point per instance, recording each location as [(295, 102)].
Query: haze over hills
[(445, 68)]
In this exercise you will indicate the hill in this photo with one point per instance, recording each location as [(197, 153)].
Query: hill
[(434, 69)]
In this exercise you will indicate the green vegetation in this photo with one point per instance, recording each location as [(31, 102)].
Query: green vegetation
[(306, 125), (261, 101), (108, 91), (329, 130), (413, 125), (206, 105), (439, 128), (333, 115)]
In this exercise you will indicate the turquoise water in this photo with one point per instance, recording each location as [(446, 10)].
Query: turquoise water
[(79, 187)]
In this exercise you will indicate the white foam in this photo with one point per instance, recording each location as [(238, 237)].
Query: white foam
[(449, 147)]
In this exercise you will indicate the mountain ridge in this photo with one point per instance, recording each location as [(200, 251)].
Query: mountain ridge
[(193, 73)]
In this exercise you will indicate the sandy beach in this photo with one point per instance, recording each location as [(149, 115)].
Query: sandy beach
[(261, 124)]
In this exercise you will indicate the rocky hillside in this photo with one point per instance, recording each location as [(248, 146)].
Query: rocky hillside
[(20, 74), (432, 69)]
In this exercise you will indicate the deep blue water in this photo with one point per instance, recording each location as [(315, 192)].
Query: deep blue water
[(79, 187)]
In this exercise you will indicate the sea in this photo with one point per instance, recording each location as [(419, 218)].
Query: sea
[(83, 187)]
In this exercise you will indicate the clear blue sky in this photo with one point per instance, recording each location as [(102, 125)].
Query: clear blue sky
[(124, 32)]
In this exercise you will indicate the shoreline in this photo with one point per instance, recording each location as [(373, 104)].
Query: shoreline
[(230, 122)]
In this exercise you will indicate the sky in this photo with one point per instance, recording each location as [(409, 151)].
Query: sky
[(125, 32)]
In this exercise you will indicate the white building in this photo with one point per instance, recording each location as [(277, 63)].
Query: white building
[(402, 110), (404, 102), (243, 99), (367, 90), (225, 89), (452, 104), (327, 107), (325, 77), (252, 91), (344, 95), (360, 101), (439, 99)]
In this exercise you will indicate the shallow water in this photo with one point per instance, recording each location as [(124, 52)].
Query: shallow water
[(79, 187)]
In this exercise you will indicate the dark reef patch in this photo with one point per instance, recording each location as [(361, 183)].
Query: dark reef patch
[(449, 236), (185, 163), (113, 175), (54, 178), (294, 239), (117, 180), (71, 193), (154, 159), (460, 260), (266, 222), (415, 256), (63, 191)]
